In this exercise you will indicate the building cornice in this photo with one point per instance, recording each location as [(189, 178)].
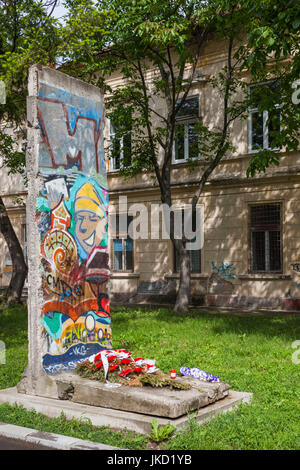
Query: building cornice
[(293, 174)]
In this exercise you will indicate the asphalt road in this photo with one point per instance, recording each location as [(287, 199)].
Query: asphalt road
[(14, 444)]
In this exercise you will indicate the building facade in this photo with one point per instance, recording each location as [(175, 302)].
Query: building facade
[(13, 193), (251, 251)]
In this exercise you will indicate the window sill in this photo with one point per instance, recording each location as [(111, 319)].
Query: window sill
[(253, 152), (124, 275), (193, 276), (265, 276), (250, 276), (186, 162)]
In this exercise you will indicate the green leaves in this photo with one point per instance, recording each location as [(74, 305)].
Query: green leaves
[(261, 160), (160, 433), (12, 158), (27, 36)]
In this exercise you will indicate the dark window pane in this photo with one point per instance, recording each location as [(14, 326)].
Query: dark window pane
[(127, 150), (179, 143), (257, 137), (129, 254), (273, 126), (258, 251), (265, 237), (195, 261), (117, 162), (116, 149), (189, 108), (193, 141), (195, 257), (275, 251), (265, 214), (117, 254)]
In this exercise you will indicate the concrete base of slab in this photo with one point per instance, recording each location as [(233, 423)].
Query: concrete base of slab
[(116, 419), (151, 401)]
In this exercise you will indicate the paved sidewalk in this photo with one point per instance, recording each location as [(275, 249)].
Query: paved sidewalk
[(48, 439)]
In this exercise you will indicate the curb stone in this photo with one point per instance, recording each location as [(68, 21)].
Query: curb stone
[(51, 440)]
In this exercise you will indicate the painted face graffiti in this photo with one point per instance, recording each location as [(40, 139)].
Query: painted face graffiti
[(90, 219)]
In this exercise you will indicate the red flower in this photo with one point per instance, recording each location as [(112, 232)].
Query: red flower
[(126, 361), (98, 365), (125, 372), (111, 358), (113, 368), (138, 369), (98, 356), (139, 359)]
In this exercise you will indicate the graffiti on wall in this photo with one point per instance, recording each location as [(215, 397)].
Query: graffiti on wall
[(224, 270), (296, 267), (71, 216), (220, 281)]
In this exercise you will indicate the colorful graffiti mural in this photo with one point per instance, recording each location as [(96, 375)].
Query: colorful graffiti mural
[(71, 214)]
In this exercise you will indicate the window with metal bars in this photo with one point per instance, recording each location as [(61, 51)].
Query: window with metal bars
[(265, 238), (195, 261)]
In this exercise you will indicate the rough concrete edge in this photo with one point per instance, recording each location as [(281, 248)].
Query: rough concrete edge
[(229, 403), (34, 381), (51, 440), (60, 80)]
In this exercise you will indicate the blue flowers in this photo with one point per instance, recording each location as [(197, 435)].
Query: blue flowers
[(199, 374)]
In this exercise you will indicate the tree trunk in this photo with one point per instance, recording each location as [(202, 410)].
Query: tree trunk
[(19, 272), (183, 295)]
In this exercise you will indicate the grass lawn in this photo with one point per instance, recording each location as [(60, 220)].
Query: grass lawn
[(253, 354)]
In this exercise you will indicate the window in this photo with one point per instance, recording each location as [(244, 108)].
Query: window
[(186, 141), (122, 248), (195, 261), (120, 149), (7, 257), (264, 125), (265, 238)]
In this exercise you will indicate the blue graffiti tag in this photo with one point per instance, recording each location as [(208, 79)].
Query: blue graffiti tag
[(62, 295), (225, 270)]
